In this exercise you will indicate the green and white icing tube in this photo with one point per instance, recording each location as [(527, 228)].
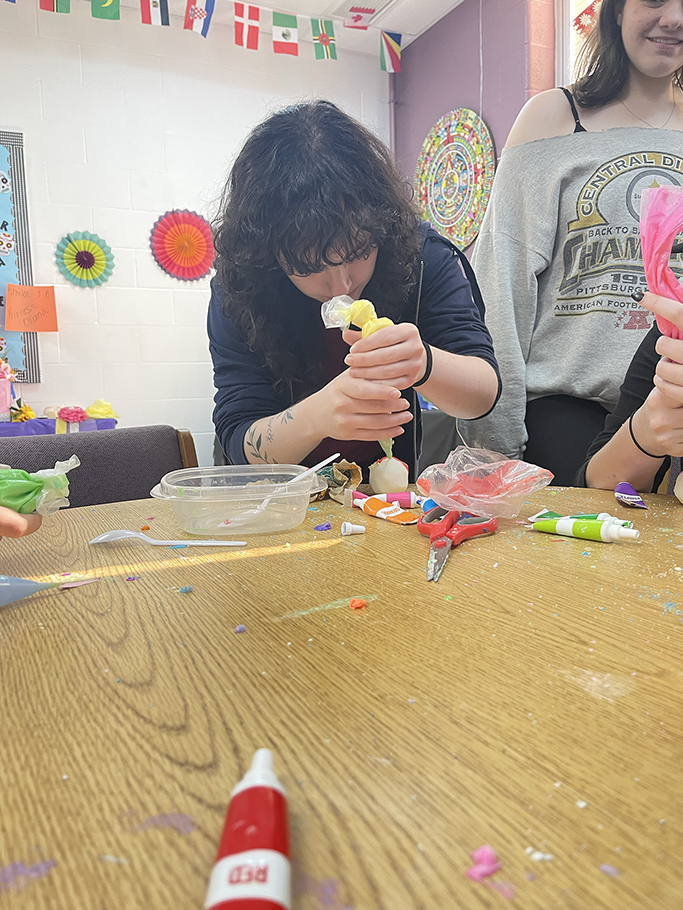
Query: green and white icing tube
[(545, 514), (607, 531)]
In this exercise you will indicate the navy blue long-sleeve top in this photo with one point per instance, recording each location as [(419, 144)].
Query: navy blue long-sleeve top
[(443, 305)]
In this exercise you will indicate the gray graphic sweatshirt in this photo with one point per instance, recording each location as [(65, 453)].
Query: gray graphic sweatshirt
[(557, 259)]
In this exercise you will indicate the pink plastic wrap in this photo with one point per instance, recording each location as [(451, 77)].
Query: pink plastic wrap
[(482, 482), (661, 218)]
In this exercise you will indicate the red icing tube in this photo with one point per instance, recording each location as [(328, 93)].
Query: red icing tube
[(252, 869)]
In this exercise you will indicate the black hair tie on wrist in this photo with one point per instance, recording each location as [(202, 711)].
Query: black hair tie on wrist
[(428, 368), (637, 444)]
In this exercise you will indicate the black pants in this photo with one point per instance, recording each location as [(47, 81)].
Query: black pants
[(561, 429)]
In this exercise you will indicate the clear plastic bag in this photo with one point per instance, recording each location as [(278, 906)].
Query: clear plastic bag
[(341, 312), (482, 482), (661, 219)]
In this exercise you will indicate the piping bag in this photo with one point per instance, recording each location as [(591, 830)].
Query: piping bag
[(44, 491), (661, 219), (343, 311), (12, 589)]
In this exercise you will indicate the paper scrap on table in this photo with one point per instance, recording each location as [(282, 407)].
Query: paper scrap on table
[(30, 309)]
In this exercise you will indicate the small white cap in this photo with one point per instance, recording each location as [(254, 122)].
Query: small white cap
[(347, 529), (260, 774)]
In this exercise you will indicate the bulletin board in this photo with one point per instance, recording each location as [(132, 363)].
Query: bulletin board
[(20, 349)]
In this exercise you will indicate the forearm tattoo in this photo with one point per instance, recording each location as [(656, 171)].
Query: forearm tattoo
[(254, 442)]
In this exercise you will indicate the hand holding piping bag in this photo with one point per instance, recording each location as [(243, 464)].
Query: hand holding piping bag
[(658, 423), (396, 357)]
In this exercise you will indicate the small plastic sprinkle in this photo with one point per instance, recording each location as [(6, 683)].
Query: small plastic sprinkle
[(326, 526), (357, 603), (240, 628), (132, 578), (185, 589), (609, 870)]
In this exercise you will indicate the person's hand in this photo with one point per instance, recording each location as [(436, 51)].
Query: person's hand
[(351, 408), (12, 524), (658, 424), (394, 355)]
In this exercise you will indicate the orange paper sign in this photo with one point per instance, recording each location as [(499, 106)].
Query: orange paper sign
[(30, 309)]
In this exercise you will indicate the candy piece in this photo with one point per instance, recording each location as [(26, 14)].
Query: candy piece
[(628, 496)]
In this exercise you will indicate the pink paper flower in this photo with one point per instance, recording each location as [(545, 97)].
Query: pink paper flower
[(6, 371), (72, 415)]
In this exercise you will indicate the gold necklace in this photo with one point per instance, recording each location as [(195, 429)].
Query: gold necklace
[(647, 122)]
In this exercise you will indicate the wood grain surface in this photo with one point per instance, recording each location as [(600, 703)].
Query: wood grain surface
[(531, 700)]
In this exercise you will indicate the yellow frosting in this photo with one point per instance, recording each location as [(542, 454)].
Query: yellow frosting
[(363, 314), (100, 410)]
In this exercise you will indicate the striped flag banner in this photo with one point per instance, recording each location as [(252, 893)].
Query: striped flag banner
[(198, 15), (285, 34), (154, 12), (11, 1), (390, 52), (323, 39), (106, 9), (56, 6), (247, 25)]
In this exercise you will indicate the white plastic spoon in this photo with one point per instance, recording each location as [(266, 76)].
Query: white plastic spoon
[(120, 535), (250, 514)]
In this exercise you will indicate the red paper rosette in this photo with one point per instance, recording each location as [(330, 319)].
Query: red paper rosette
[(182, 245)]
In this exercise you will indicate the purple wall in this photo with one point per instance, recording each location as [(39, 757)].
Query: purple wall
[(440, 71)]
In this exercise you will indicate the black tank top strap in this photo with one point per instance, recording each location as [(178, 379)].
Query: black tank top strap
[(578, 126)]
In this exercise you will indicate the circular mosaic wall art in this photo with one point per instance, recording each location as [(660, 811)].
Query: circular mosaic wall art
[(454, 175)]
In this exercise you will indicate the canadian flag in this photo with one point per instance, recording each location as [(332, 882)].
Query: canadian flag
[(359, 17), (247, 26)]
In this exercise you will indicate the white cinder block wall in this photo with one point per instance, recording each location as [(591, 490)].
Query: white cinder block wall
[(122, 122)]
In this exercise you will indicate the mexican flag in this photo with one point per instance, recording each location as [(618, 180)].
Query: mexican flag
[(285, 34), (106, 9)]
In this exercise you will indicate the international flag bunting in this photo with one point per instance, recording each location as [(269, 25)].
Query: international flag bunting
[(584, 22), (106, 9), (11, 1), (285, 34), (198, 15), (56, 6), (247, 25), (359, 17), (154, 12), (323, 39), (390, 52)]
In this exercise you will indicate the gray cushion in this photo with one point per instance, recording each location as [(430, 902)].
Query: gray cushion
[(115, 464)]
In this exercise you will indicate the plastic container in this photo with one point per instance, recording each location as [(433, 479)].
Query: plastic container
[(238, 499)]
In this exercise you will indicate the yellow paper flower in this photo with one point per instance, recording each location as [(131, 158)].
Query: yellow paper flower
[(100, 410), (22, 413)]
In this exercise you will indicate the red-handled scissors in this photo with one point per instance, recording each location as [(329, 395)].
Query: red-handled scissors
[(447, 529)]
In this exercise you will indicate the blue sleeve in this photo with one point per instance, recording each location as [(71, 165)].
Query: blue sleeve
[(244, 390), (449, 317)]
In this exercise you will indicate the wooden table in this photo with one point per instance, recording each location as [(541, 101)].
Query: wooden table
[(530, 700)]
